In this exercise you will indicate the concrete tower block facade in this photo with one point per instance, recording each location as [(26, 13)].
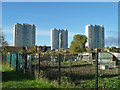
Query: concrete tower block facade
[(54, 39), (24, 35), (95, 35), (59, 38)]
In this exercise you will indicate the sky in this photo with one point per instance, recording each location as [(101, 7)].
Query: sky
[(73, 16), (59, 0)]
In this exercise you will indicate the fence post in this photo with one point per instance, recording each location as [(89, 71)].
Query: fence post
[(5, 60), (2, 58), (16, 61), (96, 70), (25, 62), (30, 62), (70, 66), (39, 66), (59, 66), (10, 60)]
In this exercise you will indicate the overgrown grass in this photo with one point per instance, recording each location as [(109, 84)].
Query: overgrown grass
[(12, 79), (109, 82)]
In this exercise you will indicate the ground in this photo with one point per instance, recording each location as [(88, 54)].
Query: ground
[(82, 75), (12, 79)]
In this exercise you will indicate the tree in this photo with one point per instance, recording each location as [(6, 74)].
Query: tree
[(2, 41), (104, 49), (108, 47), (44, 48), (78, 43), (113, 47), (67, 51)]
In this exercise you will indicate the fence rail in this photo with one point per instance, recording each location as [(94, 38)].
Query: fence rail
[(56, 66)]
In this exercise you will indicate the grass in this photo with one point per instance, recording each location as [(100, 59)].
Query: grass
[(12, 79), (103, 83)]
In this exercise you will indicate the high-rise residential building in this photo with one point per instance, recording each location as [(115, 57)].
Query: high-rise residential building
[(59, 38), (24, 35), (95, 35)]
